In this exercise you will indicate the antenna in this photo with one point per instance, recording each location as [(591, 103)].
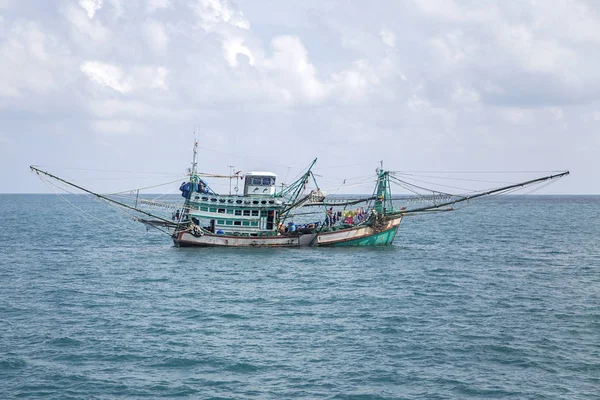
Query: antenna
[(231, 169)]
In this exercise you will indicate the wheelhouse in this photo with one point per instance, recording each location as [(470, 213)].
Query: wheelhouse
[(259, 183)]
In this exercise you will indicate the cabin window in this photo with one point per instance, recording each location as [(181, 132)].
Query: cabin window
[(247, 213), (213, 199), (253, 223), (246, 223), (255, 213), (266, 181), (213, 210), (221, 211), (229, 211), (221, 222), (237, 222), (203, 208), (255, 202), (263, 213), (228, 222), (238, 212)]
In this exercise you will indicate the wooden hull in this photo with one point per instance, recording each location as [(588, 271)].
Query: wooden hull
[(185, 239), (356, 236), (360, 236)]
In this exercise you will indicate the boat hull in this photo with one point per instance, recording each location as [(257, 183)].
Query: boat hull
[(360, 236), (355, 236), (186, 239)]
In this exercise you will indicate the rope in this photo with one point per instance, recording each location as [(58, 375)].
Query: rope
[(51, 184)]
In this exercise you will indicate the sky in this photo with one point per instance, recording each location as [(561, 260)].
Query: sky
[(424, 85)]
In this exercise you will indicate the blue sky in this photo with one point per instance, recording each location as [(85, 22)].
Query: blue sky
[(424, 85)]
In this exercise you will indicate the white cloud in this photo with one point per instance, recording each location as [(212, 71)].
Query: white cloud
[(442, 76), (293, 70), (212, 13), (156, 35), (116, 126), (387, 37), (118, 9), (356, 83), (82, 24), (465, 96), (154, 5), (137, 78), (90, 6), (107, 75), (234, 46), (32, 60)]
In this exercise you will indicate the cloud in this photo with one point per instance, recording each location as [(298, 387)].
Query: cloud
[(518, 50), (90, 6), (136, 78), (457, 80), (387, 37), (156, 35), (234, 46), (84, 25), (32, 60), (154, 5), (296, 76), (214, 13), (115, 126), (107, 75)]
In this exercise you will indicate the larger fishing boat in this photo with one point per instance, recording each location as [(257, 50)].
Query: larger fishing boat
[(267, 214)]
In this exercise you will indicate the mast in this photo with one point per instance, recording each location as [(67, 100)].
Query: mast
[(382, 191), (194, 169)]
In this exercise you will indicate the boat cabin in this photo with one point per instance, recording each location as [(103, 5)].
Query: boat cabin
[(254, 213), (259, 183)]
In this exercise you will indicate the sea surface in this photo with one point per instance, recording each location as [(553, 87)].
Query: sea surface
[(500, 299)]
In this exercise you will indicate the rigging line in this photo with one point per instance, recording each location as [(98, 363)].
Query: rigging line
[(246, 158), (38, 171), (449, 178), (345, 166), (340, 187), (361, 178), (119, 209), (50, 184), (402, 183), (135, 218), (144, 188), (84, 213), (477, 172), (431, 183), (111, 170)]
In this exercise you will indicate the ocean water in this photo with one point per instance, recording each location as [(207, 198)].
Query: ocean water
[(500, 299)]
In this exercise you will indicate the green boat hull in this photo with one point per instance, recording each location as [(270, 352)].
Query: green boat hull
[(377, 239)]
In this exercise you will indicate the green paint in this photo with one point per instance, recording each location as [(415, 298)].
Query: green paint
[(377, 239)]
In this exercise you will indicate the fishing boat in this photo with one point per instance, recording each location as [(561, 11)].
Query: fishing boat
[(267, 215)]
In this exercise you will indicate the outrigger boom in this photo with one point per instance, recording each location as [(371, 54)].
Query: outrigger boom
[(39, 171)]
